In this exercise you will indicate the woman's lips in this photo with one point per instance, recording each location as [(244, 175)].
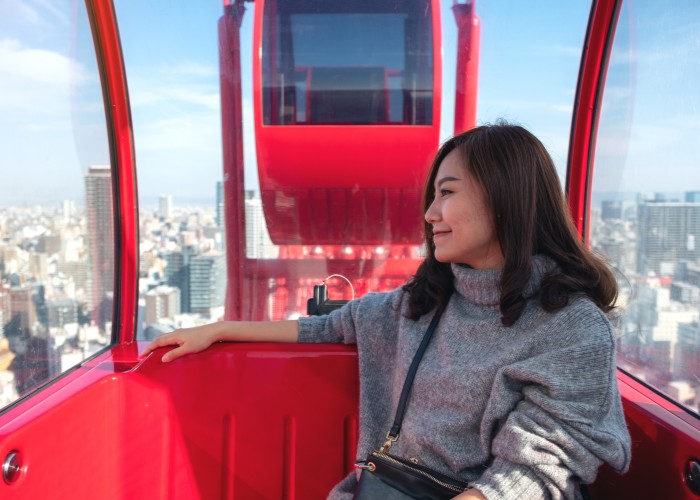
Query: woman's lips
[(438, 234)]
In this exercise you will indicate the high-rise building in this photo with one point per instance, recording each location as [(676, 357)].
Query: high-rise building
[(100, 228), (62, 312), (49, 244), (685, 293), (162, 302), (614, 251), (668, 233), (22, 312), (692, 196), (165, 205), (220, 204), (688, 272), (258, 242), (207, 282), (68, 209), (4, 310), (688, 351), (177, 274), (655, 318), (40, 309), (39, 266), (611, 210), (76, 270)]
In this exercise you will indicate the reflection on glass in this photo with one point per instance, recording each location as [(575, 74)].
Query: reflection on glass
[(645, 212), (347, 62), (56, 224)]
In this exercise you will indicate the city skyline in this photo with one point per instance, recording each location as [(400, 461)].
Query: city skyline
[(56, 280), (182, 279)]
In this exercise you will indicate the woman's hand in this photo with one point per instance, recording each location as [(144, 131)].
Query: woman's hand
[(471, 494), (189, 340)]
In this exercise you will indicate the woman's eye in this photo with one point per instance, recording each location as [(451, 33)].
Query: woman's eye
[(444, 192)]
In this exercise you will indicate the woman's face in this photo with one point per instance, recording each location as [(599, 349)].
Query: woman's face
[(463, 226)]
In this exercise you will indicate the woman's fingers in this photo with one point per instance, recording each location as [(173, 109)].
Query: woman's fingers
[(188, 340), (175, 353), (163, 340)]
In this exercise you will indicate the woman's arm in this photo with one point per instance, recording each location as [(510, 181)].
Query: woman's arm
[(192, 340), (567, 417)]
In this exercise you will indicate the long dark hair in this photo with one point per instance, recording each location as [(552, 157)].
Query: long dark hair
[(531, 216)]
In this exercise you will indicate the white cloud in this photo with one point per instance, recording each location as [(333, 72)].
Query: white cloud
[(49, 6), (527, 104), (173, 94), (51, 116), (197, 132), (189, 84), (33, 65), (36, 80), (191, 69), (571, 51), (18, 12), (33, 12), (177, 128)]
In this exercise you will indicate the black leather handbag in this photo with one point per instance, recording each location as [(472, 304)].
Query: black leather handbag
[(388, 477)]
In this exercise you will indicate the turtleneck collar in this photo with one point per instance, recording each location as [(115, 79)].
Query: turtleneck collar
[(482, 286)]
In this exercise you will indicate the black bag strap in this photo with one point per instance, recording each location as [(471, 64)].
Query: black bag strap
[(393, 434)]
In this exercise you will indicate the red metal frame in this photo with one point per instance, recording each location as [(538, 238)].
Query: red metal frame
[(468, 39), (118, 114), (232, 144), (658, 426), (594, 65), (664, 438)]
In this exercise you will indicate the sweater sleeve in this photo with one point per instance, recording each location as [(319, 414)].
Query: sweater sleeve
[(561, 419), (336, 327), (357, 317)]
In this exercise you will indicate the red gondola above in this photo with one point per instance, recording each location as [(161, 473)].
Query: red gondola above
[(347, 101)]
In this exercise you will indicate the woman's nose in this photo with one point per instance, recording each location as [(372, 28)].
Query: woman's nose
[(432, 214)]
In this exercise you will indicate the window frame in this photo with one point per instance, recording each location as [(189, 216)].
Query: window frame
[(110, 63), (598, 45)]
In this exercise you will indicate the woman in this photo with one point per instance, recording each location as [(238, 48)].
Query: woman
[(516, 393)]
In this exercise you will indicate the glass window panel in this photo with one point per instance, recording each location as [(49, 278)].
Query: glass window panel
[(347, 62), (529, 61), (645, 203), (56, 220), (172, 68)]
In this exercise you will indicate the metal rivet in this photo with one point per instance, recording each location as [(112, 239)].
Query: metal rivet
[(11, 467), (692, 476)]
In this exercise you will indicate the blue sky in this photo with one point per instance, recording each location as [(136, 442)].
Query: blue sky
[(519, 53), (51, 122)]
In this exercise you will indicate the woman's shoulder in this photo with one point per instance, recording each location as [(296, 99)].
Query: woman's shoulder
[(582, 321), (382, 301)]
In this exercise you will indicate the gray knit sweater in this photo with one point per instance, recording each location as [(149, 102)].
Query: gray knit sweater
[(527, 411)]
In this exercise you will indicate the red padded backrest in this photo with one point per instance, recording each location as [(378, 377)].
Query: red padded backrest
[(244, 421), (237, 421)]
